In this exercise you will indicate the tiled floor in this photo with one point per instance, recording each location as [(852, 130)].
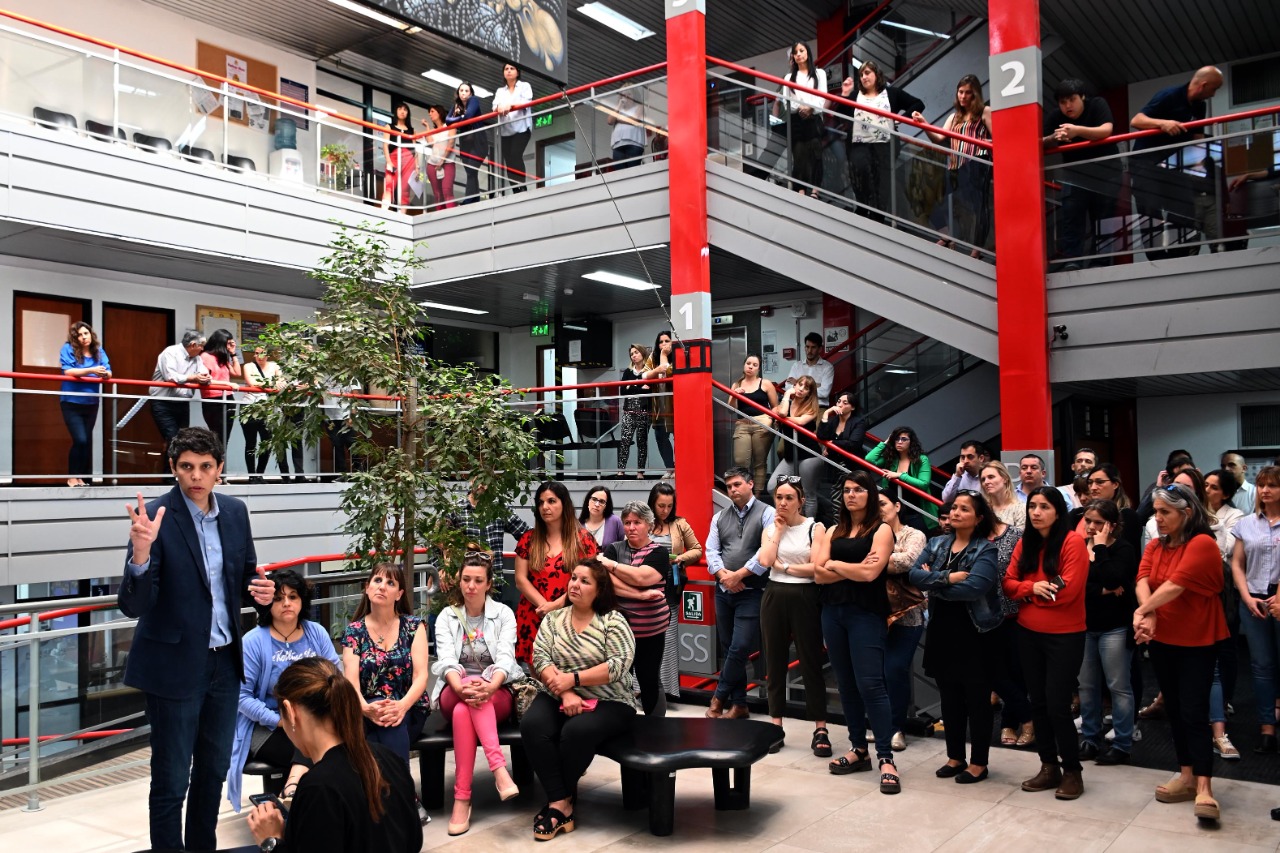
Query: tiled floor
[(795, 806)]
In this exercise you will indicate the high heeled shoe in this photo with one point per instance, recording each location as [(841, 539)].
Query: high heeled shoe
[(460, 828)]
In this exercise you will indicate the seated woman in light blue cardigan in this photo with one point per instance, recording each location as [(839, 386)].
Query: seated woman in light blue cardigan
[(284, 635)]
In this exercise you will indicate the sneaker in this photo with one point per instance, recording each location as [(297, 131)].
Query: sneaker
[(1225, 749)]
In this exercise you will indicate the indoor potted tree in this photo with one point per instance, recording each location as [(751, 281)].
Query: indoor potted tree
[(339, 162)]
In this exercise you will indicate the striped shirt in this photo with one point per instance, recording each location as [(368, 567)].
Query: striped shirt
[(648, 617), (971, 127), (606, 638)]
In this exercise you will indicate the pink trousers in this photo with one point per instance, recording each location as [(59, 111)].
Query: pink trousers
[(469, 726)]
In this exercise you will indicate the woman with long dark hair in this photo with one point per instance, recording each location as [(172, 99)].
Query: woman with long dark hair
[(441, 162), (659, 365), (219, 358), (636, 412), (597, 516), (807, 129), (968, 167), (473, 140), (1180, 617), (673, 532), (1047, 578), (850, 563), (384, 656), (475, 663), (1109, 604), (904, 460), (800, 406), (959, 573), (285, 633), (543, 557), (358, 795), (515, 126), (82, 357), (907, 607), (401, 159), (870, 136), (751, 435)]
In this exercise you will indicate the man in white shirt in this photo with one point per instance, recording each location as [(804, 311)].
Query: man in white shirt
[(1030, 474), (973, 456), (823, 373), (1082, 463), (1244, 497), (180, 363)]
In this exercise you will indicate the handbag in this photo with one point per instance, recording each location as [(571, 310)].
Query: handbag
[(523, 692)]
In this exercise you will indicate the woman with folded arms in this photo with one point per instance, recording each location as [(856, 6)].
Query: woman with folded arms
[(81, 357), (1180, 616), (475, 662), (1047, 578), (959, 573), (586, 695), (1256, 572), (790, 609), (849, 565), (674, 533), (906, 615)]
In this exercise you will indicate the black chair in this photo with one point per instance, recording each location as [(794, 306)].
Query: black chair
[(98, 130), (197, 154), (152, 143), (594, 425), (240, 164), (54, 120)]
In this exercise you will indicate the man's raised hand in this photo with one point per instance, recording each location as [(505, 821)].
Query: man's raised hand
[(142, 530)]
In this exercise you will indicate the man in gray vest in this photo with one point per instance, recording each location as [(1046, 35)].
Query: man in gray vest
[(732, 549)]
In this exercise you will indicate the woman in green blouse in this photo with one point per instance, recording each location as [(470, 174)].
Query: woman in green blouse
[(582, 656), (904, 461)]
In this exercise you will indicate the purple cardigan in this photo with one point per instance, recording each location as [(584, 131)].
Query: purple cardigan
[(611, 532)]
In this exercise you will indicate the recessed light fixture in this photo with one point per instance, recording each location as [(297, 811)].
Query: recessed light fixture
[(375, 15), (620, 280), (615, 21), (912, 29), (574, 327), (454, 82), (535, 297), (440, 306)]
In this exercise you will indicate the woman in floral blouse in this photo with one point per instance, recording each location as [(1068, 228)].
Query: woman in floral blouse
[(544, 557)]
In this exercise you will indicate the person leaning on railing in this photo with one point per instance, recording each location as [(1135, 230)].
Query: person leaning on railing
[(660, 365), (751, 435), (806, 126), (219, 359), (82, 356), (968, 168), (904, 461), (800, 406), (870, 137), (441, 163), (475, 141)]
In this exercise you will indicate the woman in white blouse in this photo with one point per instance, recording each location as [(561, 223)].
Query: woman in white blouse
[(514, 126), (807, 128)]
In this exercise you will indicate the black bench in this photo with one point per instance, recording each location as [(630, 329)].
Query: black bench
[(437, 739), (654, 749), (272, 777)]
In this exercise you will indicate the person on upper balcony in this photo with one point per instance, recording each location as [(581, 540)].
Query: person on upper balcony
[(973, 457), (180, 364), (968, 168), (822, 371), (1158, 190), (400, 158), (628, 137), (806, 127), (515, 127), (81, 357), (473, 141), (870, 154), (1089, 185)]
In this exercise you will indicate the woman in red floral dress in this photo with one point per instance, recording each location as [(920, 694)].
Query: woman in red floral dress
[(544, 558)]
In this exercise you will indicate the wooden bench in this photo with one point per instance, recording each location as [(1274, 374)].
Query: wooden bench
[(654, 749), (437, 739)]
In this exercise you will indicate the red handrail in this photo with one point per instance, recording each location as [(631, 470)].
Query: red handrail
[(845, 40), (778, 81), (827, 444), (23, 741), (1190, 125), (856, 335)]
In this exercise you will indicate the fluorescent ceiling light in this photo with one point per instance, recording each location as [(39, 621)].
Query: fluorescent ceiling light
[(620, 280), (440, 306), (374, 14), (912, 29), (575, 327), (615, 21), (535, 266), (902, 370), (454, 82)]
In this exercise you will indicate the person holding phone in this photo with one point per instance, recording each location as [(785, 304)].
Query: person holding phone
[(1047, 576), (586, 694), (358, 795)]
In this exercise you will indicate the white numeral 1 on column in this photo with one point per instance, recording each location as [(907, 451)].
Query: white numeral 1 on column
[(1015, 86), (686, 311)]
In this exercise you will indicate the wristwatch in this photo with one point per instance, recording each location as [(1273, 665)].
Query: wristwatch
[(577, 679), (268, 844), (786, 568)]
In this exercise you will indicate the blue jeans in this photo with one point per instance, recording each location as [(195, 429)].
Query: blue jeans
[(856, 641), (738, 630), (399, 738), (1264, 651), (79, 418), (1106, 654), (190, 753), (899, 652), (662, 438)]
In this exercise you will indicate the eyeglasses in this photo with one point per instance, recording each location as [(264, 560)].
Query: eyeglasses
[(1099, 480), (901, 439), (853, 490), (790, 480), (972, 493), (600, 501)]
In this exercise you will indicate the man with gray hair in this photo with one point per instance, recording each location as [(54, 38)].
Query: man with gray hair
[(180, 363)]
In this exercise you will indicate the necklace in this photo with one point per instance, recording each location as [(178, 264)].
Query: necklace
[(380, 635), (285, 637)]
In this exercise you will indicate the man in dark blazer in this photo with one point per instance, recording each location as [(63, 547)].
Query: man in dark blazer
[(190, 562)]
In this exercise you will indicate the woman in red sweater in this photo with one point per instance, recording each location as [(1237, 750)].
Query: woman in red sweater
[(1180, 615), (1047, 575)]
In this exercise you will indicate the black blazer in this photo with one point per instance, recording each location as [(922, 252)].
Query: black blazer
[(172, 601)]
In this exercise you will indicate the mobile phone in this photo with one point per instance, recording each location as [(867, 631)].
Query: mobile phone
[(259, 799), (1058, 582)]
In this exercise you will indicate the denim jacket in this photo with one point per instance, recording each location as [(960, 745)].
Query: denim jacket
[(978, 591)]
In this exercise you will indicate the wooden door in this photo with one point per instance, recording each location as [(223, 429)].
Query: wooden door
[(133, 336), (40, 438)]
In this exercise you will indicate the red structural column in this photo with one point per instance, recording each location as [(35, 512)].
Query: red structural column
[(690, 264), (1022, 310)]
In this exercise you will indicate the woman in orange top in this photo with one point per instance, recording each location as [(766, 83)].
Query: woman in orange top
[(1180, 615), (1047, 575)]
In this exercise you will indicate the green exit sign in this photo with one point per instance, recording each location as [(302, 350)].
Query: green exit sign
[(544, 120), (540, 330)]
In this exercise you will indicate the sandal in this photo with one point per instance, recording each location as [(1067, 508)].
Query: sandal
[(843, 766), (821, 744), (1175, 791), (1207, 808), (1027, 735), (1008, 737), (550, 823), (889, 781)]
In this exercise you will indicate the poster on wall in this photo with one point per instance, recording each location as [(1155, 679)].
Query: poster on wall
[(834, 336), (531, 33), (237, 72), (299, 92)]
